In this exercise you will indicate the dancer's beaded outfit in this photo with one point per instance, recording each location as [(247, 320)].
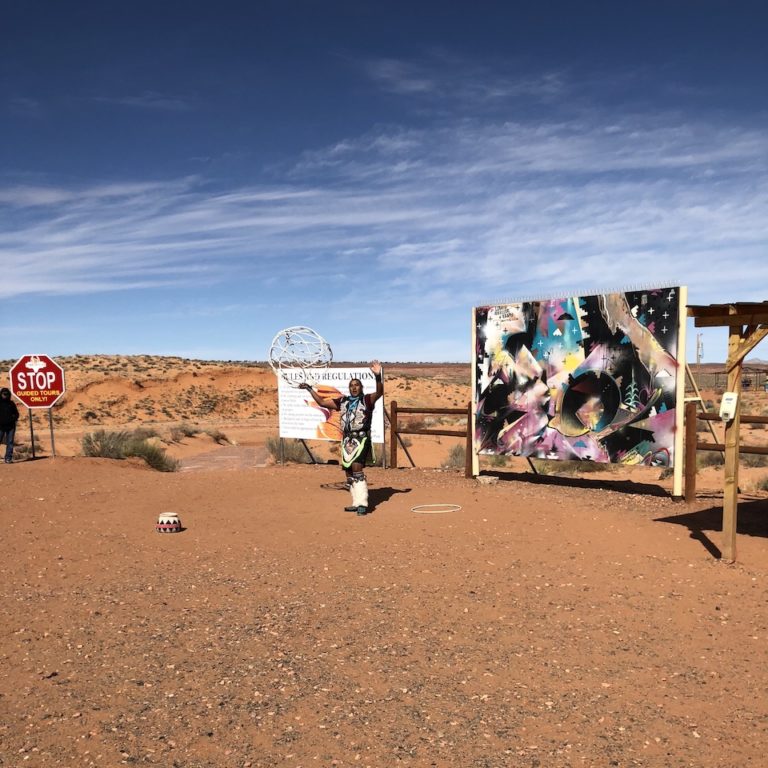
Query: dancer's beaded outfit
[(356, 414)]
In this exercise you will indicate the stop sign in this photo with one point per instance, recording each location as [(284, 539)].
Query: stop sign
[(37, 380)]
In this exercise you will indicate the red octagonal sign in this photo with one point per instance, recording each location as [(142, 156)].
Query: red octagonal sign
[(37, 380)]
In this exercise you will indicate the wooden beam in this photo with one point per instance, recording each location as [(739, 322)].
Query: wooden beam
[(430, 431), (468, 448), (751, 318), (731, 484), (690, 452), (443, 411), (757, 450), (744, 418), (737, 307), (393, 434), (746, 345), (471, 425), (710, 310), (679, 435)]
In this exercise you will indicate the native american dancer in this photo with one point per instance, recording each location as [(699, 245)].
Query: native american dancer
[(356, 411)]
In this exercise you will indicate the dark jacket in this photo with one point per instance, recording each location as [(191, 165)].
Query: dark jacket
[(9, 413)]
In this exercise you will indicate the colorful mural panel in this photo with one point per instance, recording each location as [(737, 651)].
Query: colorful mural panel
[(584, 377)]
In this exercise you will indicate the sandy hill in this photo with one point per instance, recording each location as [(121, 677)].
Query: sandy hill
[(139, 389)]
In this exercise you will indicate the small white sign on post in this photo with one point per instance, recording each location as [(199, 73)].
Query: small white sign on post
[(302, 418)]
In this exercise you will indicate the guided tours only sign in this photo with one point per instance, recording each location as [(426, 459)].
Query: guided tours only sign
[(37, 380)]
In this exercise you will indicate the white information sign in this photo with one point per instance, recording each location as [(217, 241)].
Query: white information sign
[(302, 418)]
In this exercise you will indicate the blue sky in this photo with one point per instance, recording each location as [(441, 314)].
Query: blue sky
[(188, 179)]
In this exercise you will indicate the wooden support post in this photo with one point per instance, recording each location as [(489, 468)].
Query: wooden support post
[(31, 432), (701, 400), (50, 424), (469, 451), (731, 487), (473, 393), (309, 452), (690, 452), (393, 435), (677, 468)]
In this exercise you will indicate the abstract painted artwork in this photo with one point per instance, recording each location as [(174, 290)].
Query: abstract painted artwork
[(589, 378)]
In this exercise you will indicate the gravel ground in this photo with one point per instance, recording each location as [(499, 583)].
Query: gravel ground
[(542, 624)]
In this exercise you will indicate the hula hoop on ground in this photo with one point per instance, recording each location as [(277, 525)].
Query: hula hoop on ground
[(435, 509)]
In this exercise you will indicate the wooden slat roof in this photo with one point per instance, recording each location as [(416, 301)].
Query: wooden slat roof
[(738, 313)]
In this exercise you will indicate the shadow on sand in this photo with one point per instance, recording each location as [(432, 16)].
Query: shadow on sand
[(378, 496), (620, 486), (752, 521)]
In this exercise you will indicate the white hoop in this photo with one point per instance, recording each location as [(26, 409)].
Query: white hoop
[(432, 509), (294, 350)]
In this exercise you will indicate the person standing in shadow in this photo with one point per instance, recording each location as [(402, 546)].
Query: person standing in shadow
[(9, 415)]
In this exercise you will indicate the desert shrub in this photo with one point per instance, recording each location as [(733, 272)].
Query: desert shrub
[(701, 426), (22, 451), (417, 422), (457, 457), (208, 403), (762, 484), (666, 473), (218, 436), (144, 433), (293, 450), (497, 460), (709, 459), (758, 426), (106, 445), (181, 431), (121, 445), (153, 454), (753, 460)]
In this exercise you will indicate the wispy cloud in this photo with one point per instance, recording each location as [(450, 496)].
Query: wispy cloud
[(465, 212), (25, 106), (150, 100), (400, 77), (452, 80)]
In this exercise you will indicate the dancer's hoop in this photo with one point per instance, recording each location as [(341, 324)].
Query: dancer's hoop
[(435, 509), (296, 349)]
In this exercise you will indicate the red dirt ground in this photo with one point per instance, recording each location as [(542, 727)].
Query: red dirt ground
[(547, 623)]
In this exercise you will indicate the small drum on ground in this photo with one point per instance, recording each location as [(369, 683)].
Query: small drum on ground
[(168, 522)]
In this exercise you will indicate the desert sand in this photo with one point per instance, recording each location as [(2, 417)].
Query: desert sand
[(546, 621)]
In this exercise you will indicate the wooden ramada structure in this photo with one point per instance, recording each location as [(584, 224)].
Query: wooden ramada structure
[(747, 324)]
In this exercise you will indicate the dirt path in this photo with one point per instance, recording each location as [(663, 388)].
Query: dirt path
[(226, 458)]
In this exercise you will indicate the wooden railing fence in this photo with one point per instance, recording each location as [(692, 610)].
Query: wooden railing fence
[(396, 430), (692, 443)]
